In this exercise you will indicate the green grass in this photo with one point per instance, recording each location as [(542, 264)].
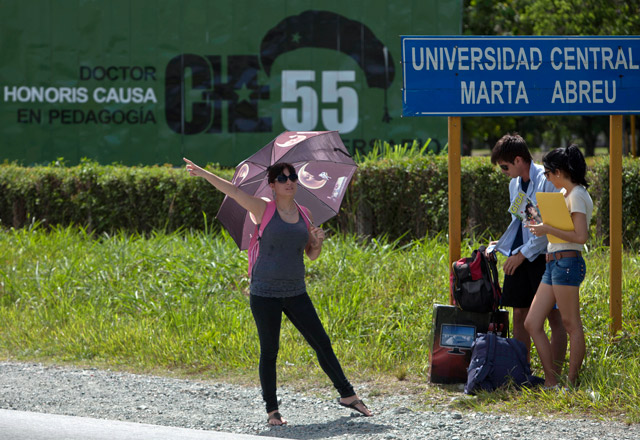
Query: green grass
[(176, 303)]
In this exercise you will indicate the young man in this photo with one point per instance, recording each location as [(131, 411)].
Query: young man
[(525, 252)]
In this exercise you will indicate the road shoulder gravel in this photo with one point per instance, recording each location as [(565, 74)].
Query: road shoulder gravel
[(204, 405)]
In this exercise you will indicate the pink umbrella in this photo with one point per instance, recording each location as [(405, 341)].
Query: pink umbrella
[(324, 168)]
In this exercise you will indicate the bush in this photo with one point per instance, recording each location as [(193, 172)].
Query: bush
[(410, 196), (393, 196), (107, 198), (598, 177)]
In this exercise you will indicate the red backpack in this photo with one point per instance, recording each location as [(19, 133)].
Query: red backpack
[(474, 282), (254, 244)]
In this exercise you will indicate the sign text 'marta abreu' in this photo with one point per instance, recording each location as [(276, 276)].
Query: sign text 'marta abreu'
[(465, 76)]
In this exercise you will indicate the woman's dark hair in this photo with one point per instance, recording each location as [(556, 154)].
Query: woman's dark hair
[(570, 160), (509, 147), (276, 169)]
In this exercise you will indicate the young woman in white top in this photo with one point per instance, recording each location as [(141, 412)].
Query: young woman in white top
[(565, 168)]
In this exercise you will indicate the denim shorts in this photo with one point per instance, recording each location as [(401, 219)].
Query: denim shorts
[(565, 272)]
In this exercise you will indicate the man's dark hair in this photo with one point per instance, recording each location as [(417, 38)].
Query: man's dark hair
[(276, 169), (509, 147)]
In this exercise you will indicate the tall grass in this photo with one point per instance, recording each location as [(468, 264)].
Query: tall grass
[(176, 301), (386, 151)]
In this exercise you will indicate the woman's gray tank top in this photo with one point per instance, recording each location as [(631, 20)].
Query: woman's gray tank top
[(279, 269)]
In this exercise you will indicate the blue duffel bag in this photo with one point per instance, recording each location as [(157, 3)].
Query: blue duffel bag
[(497, 361)]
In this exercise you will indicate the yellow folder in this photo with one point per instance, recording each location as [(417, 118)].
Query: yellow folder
[(554, 213)]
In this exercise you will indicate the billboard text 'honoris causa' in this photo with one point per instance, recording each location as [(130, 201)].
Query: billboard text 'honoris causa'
[(467, 76), (147, 81)]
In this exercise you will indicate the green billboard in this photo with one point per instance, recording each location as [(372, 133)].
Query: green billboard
[(151, 81)]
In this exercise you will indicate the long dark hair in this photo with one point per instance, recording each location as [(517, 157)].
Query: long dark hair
[(276, 169), (570, 160)]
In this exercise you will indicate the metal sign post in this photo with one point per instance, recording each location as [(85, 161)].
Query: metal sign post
[(615, 223), (633, 143), (455, 190)]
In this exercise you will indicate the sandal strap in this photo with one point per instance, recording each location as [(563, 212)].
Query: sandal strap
[(356, 403), (354, 406), (275, 415)]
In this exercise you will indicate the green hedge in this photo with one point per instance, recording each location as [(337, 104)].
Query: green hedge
[(598, 177), (107, 198), (401, 197), (410, 196)]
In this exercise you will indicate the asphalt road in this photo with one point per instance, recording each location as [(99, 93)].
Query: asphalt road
[(21, 425)]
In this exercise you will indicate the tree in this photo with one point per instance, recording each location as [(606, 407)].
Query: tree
[(582, 17), (547, 17)]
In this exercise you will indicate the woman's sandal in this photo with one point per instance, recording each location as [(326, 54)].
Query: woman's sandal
[(275, 416), (354, 406)]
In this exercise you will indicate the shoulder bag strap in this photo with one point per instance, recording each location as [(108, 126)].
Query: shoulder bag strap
[(266, 217)]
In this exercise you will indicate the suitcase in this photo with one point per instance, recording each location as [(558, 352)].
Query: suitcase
[(452, 333)]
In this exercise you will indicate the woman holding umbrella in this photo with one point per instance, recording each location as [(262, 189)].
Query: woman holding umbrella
[(277, 282)]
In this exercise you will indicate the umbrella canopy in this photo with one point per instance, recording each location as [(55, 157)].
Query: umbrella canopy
[(324, 168)]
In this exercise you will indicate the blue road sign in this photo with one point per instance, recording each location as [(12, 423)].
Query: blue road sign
[(493, 76)]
